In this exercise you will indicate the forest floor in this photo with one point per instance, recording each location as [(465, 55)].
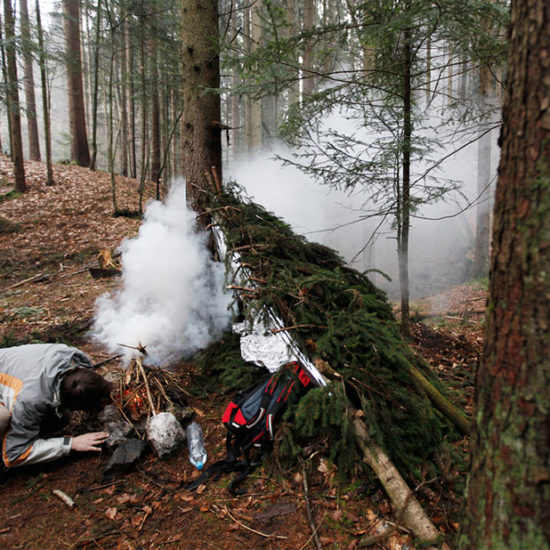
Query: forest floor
[(48, 240)]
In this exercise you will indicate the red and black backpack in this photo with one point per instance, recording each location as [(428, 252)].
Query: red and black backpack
[(251, 419)]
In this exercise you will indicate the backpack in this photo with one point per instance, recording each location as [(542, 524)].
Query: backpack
[(251, 419)]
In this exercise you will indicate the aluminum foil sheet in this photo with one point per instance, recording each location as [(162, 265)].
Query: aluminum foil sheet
[(259, 344)]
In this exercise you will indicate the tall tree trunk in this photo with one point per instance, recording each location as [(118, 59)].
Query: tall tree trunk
[(45, 97), (32, 123), (509, 486), (483, 215), (155, 115), (77, 114), (110, 107), (6, 98), (308, 82), (95, 89), (14, 111), (291, 18), (480, 266), (124, 101), (403, 239), (131, 104), (201, 116), (144, 110), (255, 140), (236, 130)]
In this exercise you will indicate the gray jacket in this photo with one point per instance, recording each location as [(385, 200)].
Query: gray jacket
[(30, 377)]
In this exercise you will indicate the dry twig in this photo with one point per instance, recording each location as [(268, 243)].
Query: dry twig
[(250, 528), (314, 527)]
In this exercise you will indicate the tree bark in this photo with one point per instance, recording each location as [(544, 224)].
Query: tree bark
[(14, 111), (201, 117), (509, 486), (80, 152), (30, 99)]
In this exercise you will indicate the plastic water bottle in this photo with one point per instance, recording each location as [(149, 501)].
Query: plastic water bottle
[(195, 442)]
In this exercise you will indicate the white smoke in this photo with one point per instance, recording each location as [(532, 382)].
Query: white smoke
[(173, 298)]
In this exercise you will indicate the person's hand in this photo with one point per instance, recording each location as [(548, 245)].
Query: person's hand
[(89, 441)]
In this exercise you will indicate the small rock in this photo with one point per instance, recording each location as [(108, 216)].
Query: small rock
[(125, 456), (118, 431), (110, 414)]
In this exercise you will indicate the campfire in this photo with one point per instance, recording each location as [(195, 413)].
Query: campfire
[(148, 408), (145, 391)]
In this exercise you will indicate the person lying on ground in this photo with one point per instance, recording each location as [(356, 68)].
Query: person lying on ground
[(38, 381)]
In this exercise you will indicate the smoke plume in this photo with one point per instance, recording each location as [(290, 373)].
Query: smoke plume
[(172, 298)]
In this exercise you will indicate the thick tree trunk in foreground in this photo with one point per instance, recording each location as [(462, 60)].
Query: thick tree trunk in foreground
[(32, 124), (201, 116), (14, 111), (80, 151), (509, 486)]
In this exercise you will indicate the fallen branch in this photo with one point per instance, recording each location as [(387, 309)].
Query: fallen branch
[(104, 485), (314, 527), (406, 505), (226, 509), (148, 511), (29, 280), (85, 542), (443, 404), (373, 539), (64, 497)]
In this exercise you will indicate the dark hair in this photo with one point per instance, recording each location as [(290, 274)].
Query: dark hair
[(84, 390)]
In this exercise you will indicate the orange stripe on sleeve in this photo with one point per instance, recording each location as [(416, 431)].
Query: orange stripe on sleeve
[(16, 385)]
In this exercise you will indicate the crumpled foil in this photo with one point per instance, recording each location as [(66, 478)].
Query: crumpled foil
[(261, 347)]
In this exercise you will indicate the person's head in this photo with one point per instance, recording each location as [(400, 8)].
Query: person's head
[(84, 390)]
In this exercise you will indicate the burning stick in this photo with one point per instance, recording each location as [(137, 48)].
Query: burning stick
[(149, 397), (140, 347)]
